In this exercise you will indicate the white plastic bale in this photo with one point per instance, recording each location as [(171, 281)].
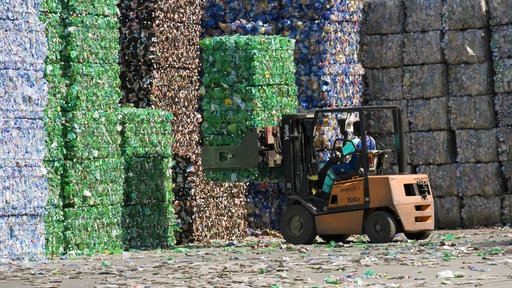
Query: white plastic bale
[(425, 81), (501, 41), (443, 178), (422, 48), (382, 51), (23, 93), (465, 14), (421, 15), (472, 112), (19, 9), (470, 79), (500, 12), (447, 212), (435, 147), (382, 17), (481, 211), (22, 238), (22, 139), (476, 146), (504, 137), (428, 114), (385, 84), (480, 179), (466, 46), (503, 75)]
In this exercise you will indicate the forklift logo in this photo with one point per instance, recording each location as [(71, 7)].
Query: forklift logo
[(286, 132)]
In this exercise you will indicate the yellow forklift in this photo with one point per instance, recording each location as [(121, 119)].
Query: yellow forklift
[(378, 198)]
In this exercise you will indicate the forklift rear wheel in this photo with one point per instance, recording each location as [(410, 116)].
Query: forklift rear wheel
[(380, 227), (298, 225), (336, 238), (418, 236)]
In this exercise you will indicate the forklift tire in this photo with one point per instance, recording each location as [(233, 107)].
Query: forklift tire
[(380, 227), (418, 236), (336, 238), (298, 225)]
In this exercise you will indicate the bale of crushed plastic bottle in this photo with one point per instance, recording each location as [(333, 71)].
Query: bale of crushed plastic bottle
[(420, 111), (476, 145), (92, 7), (22, 237), (432, 147), (54, 35), (423, 15), (442, 182), (504, 136), (447, 214), (382, 51), (24, 93), (503, 75), (93, 229), (313, 10), (424, 81), (479, 210), (460, 15), (422, 48), (501, 41), (384, 84), (499, 12), (472, 112), (480, 179), (466, 46), (148, 180), (382, 17), (470, 79), (22, 139), (54, 217), (90, 135)]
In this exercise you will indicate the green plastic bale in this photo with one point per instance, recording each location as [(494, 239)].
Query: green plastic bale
[(54, 231), (97, 182), (93, 87), (231, 111), (93, 230), (54, 171), (50, 6), (148, 180), (54, 30), (254, 60), (92, 7), (56, 86), (149, 226), (146, 132), (91, 39), (54, 138), (89, 135)]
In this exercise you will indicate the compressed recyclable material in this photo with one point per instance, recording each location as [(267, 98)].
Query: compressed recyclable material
[(23, 94), (507, 172), (471, 79), (92, 87), (432, 147), (422, 48), (97, 182), (27, 45), (420, 111), (265, 203), (185, 11), (423, 15), (498, 12), (21, 237), (54, 171), (148, 180), (91, 135), (447, 214), (478, 210), (92, 7), (337, 10), (466, 46), (50, 6), (382, 17), (382, 51), (54, 34), (149, 226), (442, 182), (53, 231), (23, 190), (422, 81), (146, 132), (472, 112), (92, 39), (503, 75), (265, 60), (476, 145), (460, 15), (22, 139), (93, 229), (53, 74), (501, 42), (19, 10), (504, 136), (480, 179), (503, 108)]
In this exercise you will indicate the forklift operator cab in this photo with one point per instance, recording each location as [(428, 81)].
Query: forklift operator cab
[(377, 199)]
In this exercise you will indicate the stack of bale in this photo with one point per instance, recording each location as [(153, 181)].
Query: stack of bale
[(500, 21), (50, 15), (23, 188), (93, 172), (433, 58), (228, 17), (326, 53), (148, 218)]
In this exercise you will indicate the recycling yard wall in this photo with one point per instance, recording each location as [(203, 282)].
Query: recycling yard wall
[(448, 64)]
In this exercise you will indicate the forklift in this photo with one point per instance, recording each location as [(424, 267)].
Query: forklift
[(378, 198)]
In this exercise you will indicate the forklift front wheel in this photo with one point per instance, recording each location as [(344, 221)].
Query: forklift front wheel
[(298, 225), (380, 227)]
